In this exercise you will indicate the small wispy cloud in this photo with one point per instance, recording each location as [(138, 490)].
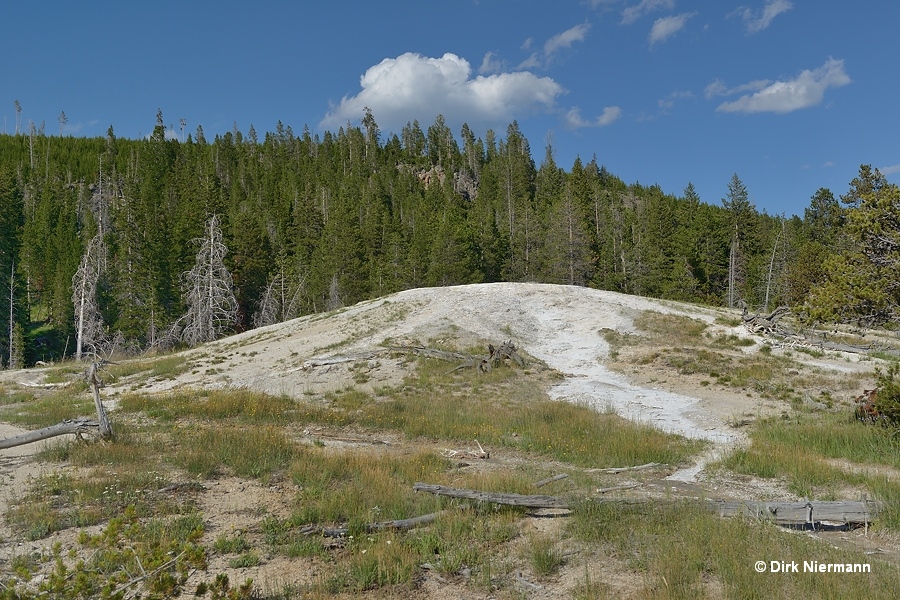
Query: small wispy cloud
[(490, 64), (758, 20), (631, 14), (666, 27), (805, 90), (668, 103), (540, 60), (718, 88), (891, 170), (566, 38), (610, 114)]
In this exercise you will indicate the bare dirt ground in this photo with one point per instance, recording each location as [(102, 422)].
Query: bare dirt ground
[(559, 325)]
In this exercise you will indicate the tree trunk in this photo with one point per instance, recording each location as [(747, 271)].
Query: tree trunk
[(69, 426), (105, 429)]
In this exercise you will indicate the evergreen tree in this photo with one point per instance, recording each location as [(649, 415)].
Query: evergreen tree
[(13, 309), (741, 212), (861, 283)]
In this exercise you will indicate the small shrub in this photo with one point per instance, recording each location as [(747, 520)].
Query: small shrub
[(245, 560), (544, 556), (887, 398), (231, 545)]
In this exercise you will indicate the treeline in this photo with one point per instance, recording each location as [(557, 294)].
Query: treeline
[(314, 222)]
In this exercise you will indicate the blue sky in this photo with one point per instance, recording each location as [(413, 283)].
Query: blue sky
[(792, 95)]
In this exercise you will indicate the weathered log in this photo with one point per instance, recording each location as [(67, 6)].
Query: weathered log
[(849, 512), (544, 482), (75, 426), (614, 470), (617, 488), (762, 323), (782, 513), (534, 501), (399, 525)]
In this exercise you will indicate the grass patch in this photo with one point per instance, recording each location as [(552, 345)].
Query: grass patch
[(249, 452), (803, 450), (683, 551), (358, 488), (57, 501), (51, 409), (231, 544), (503, 408), (543, 555), (242, 406)]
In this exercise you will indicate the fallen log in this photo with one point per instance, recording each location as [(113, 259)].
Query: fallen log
[(616, 488), (614, 470), (101, 426), (76, 426), (782, 513), (399, 525), (527, 501), (794, 513), (544, 482), (759, 323)]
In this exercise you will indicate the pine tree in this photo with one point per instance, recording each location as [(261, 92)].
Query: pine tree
[(737, 203), (861, 283)]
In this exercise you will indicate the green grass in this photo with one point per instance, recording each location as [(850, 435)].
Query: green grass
[(357, 488), (231, 544), (249, 452), (435, 405), (161, 367), (544, 555), (57, 500), (684, 551), (51, 409), (243, 406), (798, 450)]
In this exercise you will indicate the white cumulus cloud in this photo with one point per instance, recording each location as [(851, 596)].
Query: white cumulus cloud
[(412, 86), (757, 20), (666, 27), (805, 90)]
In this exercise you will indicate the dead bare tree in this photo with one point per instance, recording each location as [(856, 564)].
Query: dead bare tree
[(100, 427), (89, 332), (281, 300), (208, 287)]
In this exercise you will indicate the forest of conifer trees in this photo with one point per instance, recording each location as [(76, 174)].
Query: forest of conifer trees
[(111, 228)]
